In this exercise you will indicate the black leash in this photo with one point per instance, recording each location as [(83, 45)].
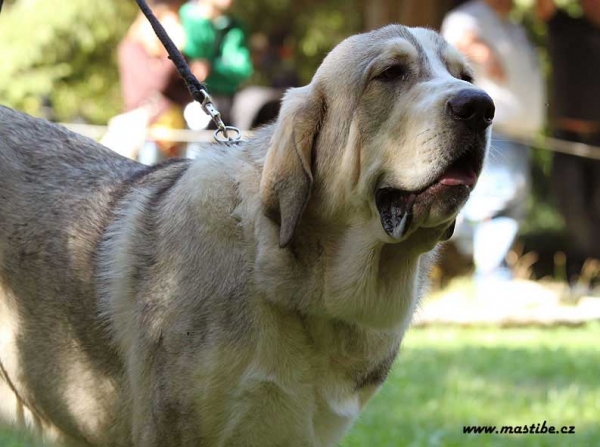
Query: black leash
[(197, 89)]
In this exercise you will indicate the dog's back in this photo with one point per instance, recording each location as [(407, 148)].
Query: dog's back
[(46, 170), (56, 192)]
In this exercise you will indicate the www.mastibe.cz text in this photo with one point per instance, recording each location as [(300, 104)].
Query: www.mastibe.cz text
[(541, 428)]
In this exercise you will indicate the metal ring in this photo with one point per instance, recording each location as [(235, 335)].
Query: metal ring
[(229, 138)]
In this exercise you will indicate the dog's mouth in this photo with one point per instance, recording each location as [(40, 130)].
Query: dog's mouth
[(396, 206)]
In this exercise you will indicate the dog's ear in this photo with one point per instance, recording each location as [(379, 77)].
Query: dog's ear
[(287, 177)]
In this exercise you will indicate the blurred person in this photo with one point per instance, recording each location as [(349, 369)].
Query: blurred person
[(149, 80), (574, 50), (216, 45), (507, 67)]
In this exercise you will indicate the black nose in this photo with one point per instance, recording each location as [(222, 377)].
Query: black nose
[(473, 107)]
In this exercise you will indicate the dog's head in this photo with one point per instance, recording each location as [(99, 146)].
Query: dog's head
[(390, 132)]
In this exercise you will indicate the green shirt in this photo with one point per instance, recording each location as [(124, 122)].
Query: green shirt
[(223, 43)]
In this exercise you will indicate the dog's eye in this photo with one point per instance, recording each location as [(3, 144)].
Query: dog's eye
[(392, 73), (464, 76)]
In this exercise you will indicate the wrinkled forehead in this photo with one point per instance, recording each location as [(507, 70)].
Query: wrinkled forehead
[(434, 51), (352, 58)]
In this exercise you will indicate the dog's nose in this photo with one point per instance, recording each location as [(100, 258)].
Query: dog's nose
[(473, 107)]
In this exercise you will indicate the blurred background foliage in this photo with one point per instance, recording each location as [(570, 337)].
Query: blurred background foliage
[(311, 27), (65, 51)]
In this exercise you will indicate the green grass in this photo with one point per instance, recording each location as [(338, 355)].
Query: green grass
[(446, 378), (10, 439)]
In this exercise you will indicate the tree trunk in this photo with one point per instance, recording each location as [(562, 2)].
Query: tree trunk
[(427, 13)]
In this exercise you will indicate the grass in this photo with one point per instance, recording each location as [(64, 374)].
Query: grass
[(11, 439), (446, 378)]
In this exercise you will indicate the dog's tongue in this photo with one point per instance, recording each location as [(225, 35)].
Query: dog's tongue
[(455, 176)]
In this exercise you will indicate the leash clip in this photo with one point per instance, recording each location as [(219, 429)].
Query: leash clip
[(222, 134), (230, 134)]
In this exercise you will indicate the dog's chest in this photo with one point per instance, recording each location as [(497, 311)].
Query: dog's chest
[(313, 376), (343, 387), (338, 404)]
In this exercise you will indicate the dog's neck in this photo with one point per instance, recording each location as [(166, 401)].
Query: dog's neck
[(344, 275), (368, 283), (351, 299), (334, 269)]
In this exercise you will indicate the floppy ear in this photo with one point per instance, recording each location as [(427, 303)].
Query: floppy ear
[(287, 175)]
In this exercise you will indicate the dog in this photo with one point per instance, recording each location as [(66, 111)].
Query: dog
[(255, 296)]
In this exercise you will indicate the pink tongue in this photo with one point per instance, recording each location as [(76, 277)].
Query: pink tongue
[(455, 176)]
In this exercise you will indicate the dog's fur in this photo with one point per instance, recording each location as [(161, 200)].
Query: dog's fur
[(250, 297)]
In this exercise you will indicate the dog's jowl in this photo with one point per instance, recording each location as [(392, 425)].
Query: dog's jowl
[(255, 296)]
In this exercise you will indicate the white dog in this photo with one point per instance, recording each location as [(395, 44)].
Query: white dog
[(256, 296)]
